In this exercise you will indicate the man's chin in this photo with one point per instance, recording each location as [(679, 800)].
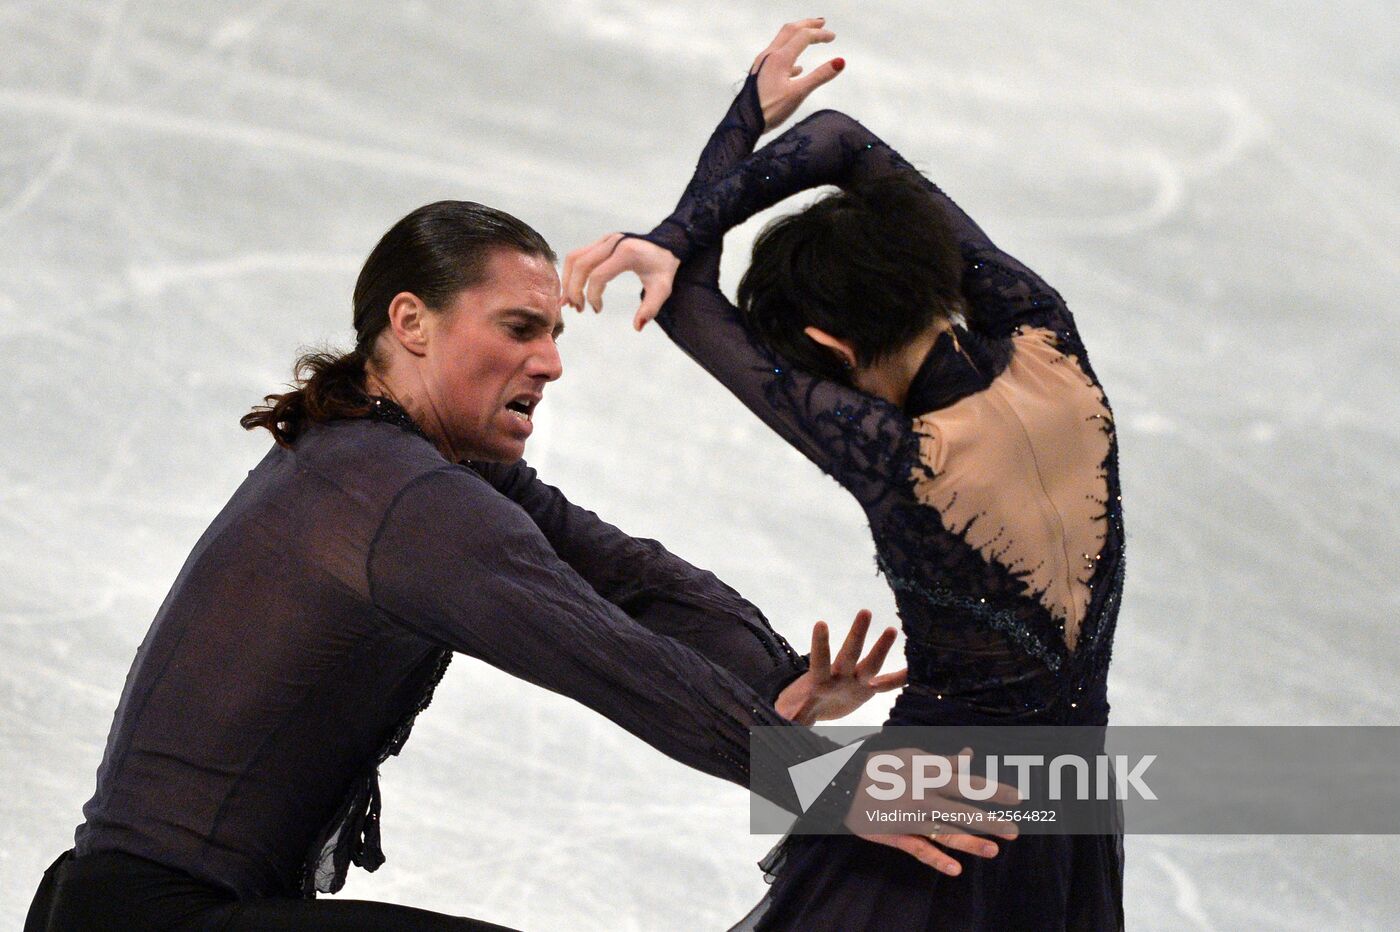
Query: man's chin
[(505, 452)]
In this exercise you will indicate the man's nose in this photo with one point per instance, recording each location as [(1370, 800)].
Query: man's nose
[(547, 364)]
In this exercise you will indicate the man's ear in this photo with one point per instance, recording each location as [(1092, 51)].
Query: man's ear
[(407, 316), (843, 350)]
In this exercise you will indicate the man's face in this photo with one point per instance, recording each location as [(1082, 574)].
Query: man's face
[(490, 353)]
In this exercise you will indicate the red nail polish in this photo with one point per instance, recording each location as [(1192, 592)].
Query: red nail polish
[(838, 63)]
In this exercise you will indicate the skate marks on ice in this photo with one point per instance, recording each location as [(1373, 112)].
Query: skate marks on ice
[(186, 193)]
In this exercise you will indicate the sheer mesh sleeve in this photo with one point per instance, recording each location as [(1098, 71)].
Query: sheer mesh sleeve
[(659, 590), (849, 434), (459, 564), (731, 142)]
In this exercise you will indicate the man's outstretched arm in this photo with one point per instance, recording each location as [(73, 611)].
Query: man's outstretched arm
[(658, 589)]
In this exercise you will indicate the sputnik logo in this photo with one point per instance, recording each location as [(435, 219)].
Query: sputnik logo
[(810, 777)]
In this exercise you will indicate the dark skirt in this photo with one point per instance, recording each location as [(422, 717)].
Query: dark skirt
[(1036, 882), (115, 891)]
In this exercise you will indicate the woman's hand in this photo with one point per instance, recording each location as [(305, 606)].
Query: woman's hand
[(832, 689), (950, 832), (596, 265), (781, 89)]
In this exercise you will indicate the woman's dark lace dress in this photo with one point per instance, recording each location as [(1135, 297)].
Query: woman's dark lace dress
[(993, 500)]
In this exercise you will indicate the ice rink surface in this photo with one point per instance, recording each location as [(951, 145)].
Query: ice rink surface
[(186, 193)]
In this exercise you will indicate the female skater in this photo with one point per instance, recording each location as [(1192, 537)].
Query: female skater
[(390, 525), (944, 385)]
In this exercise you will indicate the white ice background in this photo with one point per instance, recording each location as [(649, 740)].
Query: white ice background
[(186, 193)]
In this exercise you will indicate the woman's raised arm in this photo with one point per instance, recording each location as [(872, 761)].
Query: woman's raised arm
[(827, 148)]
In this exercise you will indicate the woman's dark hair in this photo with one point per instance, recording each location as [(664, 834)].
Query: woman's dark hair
[(435, 252), (874, 265)]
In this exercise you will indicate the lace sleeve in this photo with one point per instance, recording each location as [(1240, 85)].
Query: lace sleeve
[(848, 434), (851, 436), (731, 142)]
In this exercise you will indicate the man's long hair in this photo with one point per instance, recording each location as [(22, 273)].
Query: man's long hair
[(434, 252)]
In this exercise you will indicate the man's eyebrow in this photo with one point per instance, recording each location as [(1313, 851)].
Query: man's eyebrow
[(538, 318)]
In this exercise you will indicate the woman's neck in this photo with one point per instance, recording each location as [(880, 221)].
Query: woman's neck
[(891, 378)]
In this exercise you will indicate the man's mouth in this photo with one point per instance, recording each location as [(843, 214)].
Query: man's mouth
[(523, 406)]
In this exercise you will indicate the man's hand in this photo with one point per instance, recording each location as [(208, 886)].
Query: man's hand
[(832, 689), (781, 90), (599, 263)]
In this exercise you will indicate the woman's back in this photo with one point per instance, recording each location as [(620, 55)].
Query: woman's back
[(1020, 468), (1005, 530)]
